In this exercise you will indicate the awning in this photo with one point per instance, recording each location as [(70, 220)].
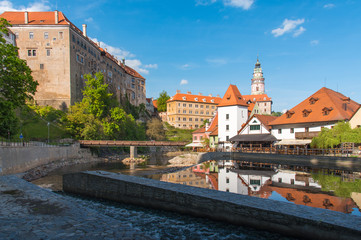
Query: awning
[(194, 145), (253, 138), (294, 142)]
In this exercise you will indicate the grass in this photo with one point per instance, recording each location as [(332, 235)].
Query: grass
[(177, 134)]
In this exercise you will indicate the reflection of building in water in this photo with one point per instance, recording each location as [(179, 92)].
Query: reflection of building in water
[(187, 177), (293, 186)]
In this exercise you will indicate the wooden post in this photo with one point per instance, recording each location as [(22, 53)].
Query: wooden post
[(133, 152)]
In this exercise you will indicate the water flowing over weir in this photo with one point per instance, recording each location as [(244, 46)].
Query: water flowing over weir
[(289, 219)]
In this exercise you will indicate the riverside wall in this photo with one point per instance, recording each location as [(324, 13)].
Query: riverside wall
[(315, 161), (20, 159), (286, 218)]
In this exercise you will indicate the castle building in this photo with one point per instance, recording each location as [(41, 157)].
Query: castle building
[(189, 111), (60, 54), (258, 95)]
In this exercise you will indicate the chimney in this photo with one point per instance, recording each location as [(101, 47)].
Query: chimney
[(26, 17), (178, 91), (217, 95), (56, 17), (98, 43), (200, 94), (106, 49), (189, 92), (123, 61), (84, 30), (210, 95)]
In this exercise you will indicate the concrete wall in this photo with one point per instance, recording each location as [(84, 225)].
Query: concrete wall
[(20, 159), (286, 218)]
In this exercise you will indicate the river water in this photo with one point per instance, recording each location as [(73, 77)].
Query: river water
[(321, 188)]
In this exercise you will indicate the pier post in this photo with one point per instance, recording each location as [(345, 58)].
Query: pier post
[(133, 152)]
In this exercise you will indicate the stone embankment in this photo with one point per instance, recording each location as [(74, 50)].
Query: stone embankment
[(285, 218), (30, 212)]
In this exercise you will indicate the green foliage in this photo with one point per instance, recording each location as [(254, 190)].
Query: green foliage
[(277, 114), (178, 134), (205, 142), (335, 184), (98, 117), (16, 83), (155, 129), (48, 113), (162, 101), (341, 132)]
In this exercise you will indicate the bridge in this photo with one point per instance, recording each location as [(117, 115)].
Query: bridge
[(132, 144)]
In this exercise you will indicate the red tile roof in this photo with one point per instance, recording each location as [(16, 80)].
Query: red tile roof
[(322, 106), (194, 98), (215, 132), (264, 119), (257, 98), (232, 97), (200, 130), (35, 18), (132, 72), (155, 103), (214, 124)]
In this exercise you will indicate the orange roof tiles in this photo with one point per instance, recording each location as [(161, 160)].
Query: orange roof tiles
[(155, 103), (232, 97), (194, 98), (132, 72), (35, 18), (214, 124), (200, 130), (257, 98), (322, 106), (215, 132)]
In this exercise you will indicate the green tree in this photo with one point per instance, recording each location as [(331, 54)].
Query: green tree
[(162, 101), (16, 83), (277, 114), (155, 129), (341, 132)]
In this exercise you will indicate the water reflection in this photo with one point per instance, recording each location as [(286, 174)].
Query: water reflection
[(321, 188)]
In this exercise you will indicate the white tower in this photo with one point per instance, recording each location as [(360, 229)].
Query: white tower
[(257, 80)]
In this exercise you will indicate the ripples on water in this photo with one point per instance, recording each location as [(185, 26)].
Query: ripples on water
[(167, 225)]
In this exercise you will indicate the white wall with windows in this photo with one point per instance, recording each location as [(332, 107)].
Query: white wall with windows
[(289, 131), (254, 127)]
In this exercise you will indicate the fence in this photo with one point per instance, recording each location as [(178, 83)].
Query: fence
[(20, 143)]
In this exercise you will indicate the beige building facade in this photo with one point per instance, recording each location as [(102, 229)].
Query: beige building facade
[(60, 54), (189, 111)]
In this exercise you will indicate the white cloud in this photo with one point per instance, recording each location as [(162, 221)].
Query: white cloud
[(154, 66), (329, 5), (245, 4), (314, 42), (204, 2), (217, 61), (137, 65), (299, 31), (89, 20), (37, 6), (183, 82), (289, 26)]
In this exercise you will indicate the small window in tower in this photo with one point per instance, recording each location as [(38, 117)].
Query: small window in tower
[(41, 66), (46, 35)]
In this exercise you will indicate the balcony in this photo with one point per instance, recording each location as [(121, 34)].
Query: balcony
[(306, 135)]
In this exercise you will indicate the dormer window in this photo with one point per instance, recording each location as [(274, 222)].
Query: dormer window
[(212, 100), (196, 99), (264, 98), (326, 110), (306, 112), (312, 100), (184, 98), (289, 114), (229, 96), (204, 100)]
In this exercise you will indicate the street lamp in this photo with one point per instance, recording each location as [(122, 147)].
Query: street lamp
[(48, 131)]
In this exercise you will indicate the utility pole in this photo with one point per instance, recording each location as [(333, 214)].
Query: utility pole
[(48, 132)]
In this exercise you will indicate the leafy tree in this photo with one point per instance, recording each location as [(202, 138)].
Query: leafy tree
[(162, 101), (277, 114), (341, 132), (155, 129), (16, 83)]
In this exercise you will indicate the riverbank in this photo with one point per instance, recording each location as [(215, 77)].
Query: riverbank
[(30, 212)]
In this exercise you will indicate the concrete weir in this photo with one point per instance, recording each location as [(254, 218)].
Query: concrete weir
[(286, 218)]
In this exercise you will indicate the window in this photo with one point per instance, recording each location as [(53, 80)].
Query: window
[(207, 106), (196, 119), (61, 35), (227, 127), (178, 111), (212, 107), (195, 138), (201, 137), (184, 104), (279, 131), (190, 111), (196, 106), (190, 119), (16, 35), (47, 52), (201, 106), (255, 182), (31, 35), (227, 138), (32, 52), (184, 119), (178, 104), (207, 113), (307, 129), (179, 119), (292, 130), (227, 180), (46, 35), (190, 105), (80, 58), (41, 66), (184, 111), (227, 116), (254, 127), (279, 180), (73, 37), (196, 112), (196, 126)]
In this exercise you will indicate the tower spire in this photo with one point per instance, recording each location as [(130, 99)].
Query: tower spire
[(257, 86)]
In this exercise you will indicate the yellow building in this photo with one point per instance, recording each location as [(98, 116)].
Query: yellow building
[(189, 111)]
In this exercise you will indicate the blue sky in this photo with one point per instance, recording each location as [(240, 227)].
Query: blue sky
[(205, 45)]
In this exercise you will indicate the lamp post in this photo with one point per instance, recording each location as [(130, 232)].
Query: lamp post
[(48, 132)]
